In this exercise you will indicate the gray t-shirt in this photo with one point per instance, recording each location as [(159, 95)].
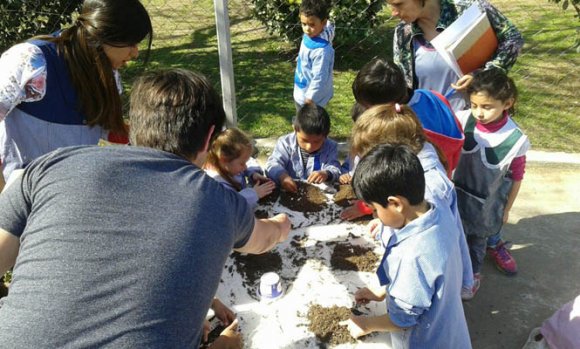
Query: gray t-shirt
[(121, 247)]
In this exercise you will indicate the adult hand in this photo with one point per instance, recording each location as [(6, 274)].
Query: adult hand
[(225, 314), (265, 188), (317, 177), (365, 295), (463, 82), (284, 225), (288, 184), (344, 179), (230, 338), (356, 326), (351, 212)]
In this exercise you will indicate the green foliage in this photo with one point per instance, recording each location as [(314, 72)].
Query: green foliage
[(566, 3), (22, 19), (353, 18)]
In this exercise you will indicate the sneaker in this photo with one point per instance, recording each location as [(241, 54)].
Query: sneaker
[(503, 259), (536, 340), (468, 294)]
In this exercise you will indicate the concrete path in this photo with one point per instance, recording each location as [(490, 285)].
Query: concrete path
[(544, 226)]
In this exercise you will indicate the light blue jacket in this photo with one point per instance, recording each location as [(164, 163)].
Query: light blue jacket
[(313, 75), (286, 157)]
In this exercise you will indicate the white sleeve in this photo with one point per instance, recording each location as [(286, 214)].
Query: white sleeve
[(22, 78)]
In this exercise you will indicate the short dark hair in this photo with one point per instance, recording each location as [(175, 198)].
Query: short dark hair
[(173, 110), (495, 83), (312, 119), (318, 8), (389, 170), (380, 81)]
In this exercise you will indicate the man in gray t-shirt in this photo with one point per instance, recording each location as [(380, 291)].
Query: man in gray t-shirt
[(124, 247)]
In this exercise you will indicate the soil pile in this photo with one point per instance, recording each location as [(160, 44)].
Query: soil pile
[(252, 266), (344, 195), (324, 323), (354, 257), (309, 198)]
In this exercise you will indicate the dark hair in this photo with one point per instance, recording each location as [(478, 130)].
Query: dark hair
[(380, 81), (312, 120), (495, 83), (356, 111), (389, 170), (318, 8), (113, 22), (173, 110)]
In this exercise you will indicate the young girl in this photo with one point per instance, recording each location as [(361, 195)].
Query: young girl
[(229, 162), (491, 167), (398, 124)]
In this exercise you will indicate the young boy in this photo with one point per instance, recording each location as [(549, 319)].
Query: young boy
[(306, 153), (313, 76), (422, 265)]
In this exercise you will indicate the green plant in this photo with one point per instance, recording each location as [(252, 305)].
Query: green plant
[(22, 19), (281, 17), (566, 3)]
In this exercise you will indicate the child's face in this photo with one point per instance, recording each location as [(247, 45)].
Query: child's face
[(309, 143), (392, 215), (312, 25), (238, 165), (487, 109)]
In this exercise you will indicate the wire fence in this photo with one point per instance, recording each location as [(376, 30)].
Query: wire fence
[(547, 71)]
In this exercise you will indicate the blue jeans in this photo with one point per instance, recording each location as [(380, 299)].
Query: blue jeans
[(494, 240)]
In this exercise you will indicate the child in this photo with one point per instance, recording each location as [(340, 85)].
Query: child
[(306, 153), (397, 124), (491, 167), (313, 76), (422, 266), (381, 81), (227, 162)]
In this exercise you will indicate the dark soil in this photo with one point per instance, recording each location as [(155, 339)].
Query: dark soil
[(353, 257), (324, 324), (261, 214), (344, 195), (252, 266), (270, 199), (213, 335), (298, 251), (309, 198)]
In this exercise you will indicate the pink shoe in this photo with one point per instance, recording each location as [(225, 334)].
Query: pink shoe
[(468, 294), (503, 259)]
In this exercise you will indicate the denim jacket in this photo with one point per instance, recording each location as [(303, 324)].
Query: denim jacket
[(286, 158), (509, 39)]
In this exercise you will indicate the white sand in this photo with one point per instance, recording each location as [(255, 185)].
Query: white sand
[(282, 323)]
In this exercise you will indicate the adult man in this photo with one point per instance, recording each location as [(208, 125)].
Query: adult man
[(124, 246)]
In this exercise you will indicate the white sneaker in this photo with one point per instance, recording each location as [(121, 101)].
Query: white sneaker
[(468, 294), (536, 340)]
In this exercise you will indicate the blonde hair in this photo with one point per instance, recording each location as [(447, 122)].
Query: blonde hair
[(229, 145), (389, 123)]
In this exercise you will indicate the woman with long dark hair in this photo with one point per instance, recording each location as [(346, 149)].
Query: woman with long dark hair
[(64, 89)]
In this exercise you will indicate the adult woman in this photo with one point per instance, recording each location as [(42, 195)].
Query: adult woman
[(63, 89), (422, 21)]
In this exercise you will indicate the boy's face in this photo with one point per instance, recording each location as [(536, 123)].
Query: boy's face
[(309, 143), (312, 25), (392, 215)]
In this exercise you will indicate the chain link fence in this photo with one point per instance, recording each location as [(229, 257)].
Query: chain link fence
[(547, 71)]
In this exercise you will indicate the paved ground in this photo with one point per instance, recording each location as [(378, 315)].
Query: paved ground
[(545, 229)]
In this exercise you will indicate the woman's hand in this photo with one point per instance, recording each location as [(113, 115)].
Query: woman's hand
[(463, 82)]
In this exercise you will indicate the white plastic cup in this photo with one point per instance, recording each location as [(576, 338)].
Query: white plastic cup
[(270, 285)]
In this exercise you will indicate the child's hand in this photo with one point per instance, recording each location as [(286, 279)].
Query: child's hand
[(374, 227), (265, 188), (258, 178), (206, 330), (288, 184), (351, 212), (317, 177), (356, 326), (365, 295), (225, 314), (230, 338), (344, 179)]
